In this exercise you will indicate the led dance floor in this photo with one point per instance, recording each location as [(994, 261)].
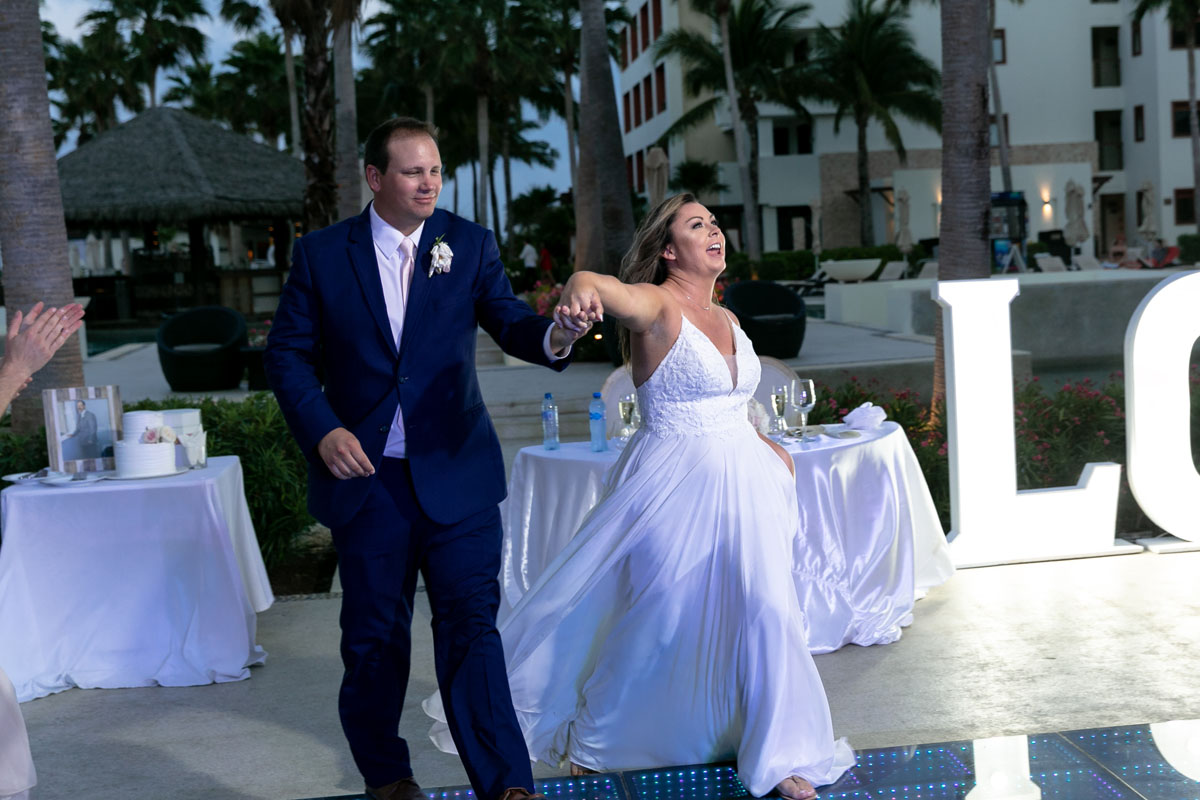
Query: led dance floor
[(1139, 762)]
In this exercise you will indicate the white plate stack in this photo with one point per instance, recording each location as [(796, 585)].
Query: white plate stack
[(191, 450)]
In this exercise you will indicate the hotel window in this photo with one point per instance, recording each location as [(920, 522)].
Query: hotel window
[(629, 170), (647, 97), (1135, 37), (1185, 206), (626, 103), (656, 15), (660, 87), (1139, 123), (644, 15), (1106, 57), (625, 47), (637, 104), (999, 47), (633, 39), (1179, 36), (641, 171), (1180, 129)]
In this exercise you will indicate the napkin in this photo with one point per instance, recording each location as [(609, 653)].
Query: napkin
[(868, 415)]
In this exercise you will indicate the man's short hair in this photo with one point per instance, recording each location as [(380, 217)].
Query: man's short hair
[(376, 149)]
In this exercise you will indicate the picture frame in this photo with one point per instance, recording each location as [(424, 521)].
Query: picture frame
[(83, 423)]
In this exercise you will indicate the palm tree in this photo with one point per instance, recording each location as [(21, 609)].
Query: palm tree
[(195, 88), (92, 80), (246, 16), (1183, 14), (746, 65), (33, 234), (315, 22), (255, 68), (966, 156), (603, 208), (161, 33), (410, 40), (697, 177), (870, 68), (346, 170)]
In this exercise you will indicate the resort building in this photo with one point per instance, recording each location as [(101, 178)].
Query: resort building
[(1088, 96)]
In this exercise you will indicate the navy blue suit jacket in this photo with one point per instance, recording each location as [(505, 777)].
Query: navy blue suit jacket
[(332, 320)]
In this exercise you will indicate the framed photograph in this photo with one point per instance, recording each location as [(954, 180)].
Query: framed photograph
[(82, 423)]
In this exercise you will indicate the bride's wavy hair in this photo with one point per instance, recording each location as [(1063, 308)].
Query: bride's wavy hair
[(643, 263)]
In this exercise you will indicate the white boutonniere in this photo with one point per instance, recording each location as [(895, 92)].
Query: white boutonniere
[(440, 256)]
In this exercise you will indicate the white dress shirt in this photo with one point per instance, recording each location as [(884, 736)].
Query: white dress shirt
[(396, 276)]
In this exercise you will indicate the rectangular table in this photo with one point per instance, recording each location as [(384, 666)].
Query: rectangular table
[(870, 539), (118, 584)]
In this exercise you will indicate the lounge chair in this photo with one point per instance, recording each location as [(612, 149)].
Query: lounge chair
[(773, 316), (1048, 263), (201, 349), (1168, 259), (1087, 263), (893, 270), (929, 271)]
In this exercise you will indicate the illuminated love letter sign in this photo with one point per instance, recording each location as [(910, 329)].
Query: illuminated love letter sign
[(992, 522), (1158, 348)]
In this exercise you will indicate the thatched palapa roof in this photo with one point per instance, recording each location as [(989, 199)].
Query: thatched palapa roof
[(167, 166)]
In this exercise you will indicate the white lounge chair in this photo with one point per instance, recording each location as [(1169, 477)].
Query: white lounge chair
[(1048, 263), (929, 270), (893, 270), (1088, 262)]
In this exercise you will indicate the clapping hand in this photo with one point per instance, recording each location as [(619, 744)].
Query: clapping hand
[(34, 338)]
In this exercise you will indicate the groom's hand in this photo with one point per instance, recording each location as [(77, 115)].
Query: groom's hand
[(561, 338), (343, 455)]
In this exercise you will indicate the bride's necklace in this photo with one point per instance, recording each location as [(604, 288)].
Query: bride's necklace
[(697, 305)]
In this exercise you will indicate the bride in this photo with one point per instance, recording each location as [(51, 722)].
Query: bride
[(668, 631)]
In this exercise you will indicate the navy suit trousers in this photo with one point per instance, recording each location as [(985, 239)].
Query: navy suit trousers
[(379, 554)]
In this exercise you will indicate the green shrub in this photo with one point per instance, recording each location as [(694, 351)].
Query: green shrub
[(1189, 248), (22, 453), (276, 473)]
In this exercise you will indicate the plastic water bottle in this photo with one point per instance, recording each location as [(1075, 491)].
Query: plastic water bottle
[(549, 423), (596, 423)]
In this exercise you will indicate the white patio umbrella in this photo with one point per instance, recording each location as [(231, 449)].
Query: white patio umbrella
[(903, 234), (658, 171), (1148, 230), (1076, 230)]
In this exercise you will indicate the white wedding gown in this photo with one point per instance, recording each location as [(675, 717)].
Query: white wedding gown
[(669, 631)]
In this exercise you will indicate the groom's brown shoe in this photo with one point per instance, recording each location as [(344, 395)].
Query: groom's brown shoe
[(520, 793), (403, 789)]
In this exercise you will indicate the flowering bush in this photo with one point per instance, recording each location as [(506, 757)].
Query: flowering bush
[(544, 296), (256, 336)]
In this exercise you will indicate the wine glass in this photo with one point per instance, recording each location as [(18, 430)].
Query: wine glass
[(627, 406), (779, 404), (803, 398)]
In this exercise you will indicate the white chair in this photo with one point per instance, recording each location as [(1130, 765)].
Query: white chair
[(1088, 262), (774, 373), (1048, 263), (929, 270), (893, 271), (618, 384)]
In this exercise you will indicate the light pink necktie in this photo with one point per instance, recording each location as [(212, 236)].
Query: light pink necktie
[(407, 264)]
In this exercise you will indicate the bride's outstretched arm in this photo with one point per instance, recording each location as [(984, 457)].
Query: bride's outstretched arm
[(588, 296)]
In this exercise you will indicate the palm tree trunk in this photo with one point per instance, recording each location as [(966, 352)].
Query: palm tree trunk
[(866, 221), (603, 208), (997, 106), (33, 235), (494, 198), (349, 195), (569, 117), (506, 155), (475, 194), (753, 243), (966, 156), (481, 127), (289, 60), (428, 89), (750, 115), (1193, 116), (150, 87), (320, 191)]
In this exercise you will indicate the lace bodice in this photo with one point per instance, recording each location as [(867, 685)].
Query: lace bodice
[(692, 393)]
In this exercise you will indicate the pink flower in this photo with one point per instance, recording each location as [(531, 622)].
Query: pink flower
[(150, 436)]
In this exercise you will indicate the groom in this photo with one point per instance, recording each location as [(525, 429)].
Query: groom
[(404, 465)]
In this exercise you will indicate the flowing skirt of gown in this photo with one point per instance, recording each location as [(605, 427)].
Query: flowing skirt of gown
[(668, 631)]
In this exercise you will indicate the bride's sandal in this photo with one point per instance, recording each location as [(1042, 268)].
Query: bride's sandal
[(578, 771), (794, 787)]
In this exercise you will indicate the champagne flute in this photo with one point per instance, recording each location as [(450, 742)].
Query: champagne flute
[(803, 398), (627, 406), (779, 403)]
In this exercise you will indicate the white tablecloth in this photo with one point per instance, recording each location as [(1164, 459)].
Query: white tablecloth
[(870, 544), (130, 583)]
